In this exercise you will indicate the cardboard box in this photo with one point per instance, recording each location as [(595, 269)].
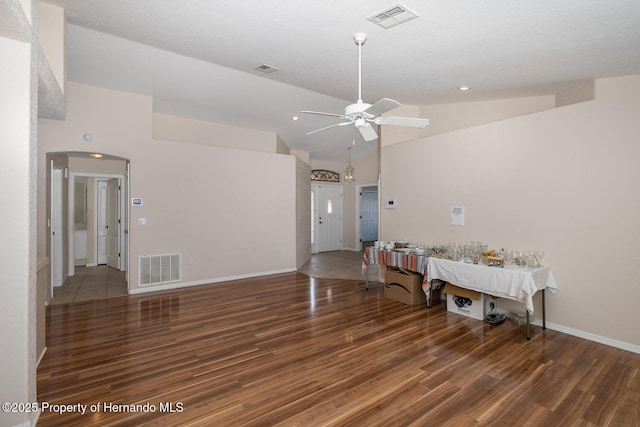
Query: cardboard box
[(464, 301), (404, 286)]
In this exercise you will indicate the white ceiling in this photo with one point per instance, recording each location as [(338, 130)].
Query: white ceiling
[(196, 57)]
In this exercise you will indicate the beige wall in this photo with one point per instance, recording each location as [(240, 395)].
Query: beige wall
[(97, 166), (582, 92), (51, 36), (232, 211), (449, 117), (563, 180), (445, 118), (18, 261), (183, 129), (303, 215)]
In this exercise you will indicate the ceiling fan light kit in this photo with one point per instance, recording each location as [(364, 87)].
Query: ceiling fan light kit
[(362, 115)]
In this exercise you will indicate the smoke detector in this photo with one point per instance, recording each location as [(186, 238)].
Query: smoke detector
[(392, 16)]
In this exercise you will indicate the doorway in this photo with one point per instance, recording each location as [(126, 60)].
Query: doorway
[(74, 199), (56, 224), (326, 218), (368, 216), (108, 220), (101, 239)]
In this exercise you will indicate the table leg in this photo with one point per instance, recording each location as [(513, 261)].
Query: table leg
[(528, 332), (544, 313)]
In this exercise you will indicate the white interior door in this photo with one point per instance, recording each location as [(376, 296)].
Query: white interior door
[(102, 225), (57, 255), (113, 223), (369, 214), (329, 218)]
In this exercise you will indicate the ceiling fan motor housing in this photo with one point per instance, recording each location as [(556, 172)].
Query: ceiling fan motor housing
[(357, 110), (360, 122), (360, 38)]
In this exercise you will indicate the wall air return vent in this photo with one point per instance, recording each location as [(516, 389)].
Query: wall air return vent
[(158, 269), (392, 16)]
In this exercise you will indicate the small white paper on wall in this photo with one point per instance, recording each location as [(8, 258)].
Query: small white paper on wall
[(457, 215)]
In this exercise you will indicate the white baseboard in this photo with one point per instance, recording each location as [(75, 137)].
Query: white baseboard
[(44, 350), (178, 285), (35, 416), (591, 337)]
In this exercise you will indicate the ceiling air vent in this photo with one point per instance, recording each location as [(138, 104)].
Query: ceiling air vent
[(392, 16), (264, 68)]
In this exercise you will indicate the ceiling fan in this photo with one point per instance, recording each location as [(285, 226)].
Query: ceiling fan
[(362, 115)]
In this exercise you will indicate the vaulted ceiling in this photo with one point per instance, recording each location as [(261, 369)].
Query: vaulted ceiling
[(197, 58)]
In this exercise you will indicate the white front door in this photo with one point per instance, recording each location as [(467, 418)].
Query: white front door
[(328, 221), (113, 223)]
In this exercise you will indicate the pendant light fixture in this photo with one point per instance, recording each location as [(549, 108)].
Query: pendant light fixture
[(348, 172)]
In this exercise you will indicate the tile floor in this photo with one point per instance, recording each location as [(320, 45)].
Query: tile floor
[(339, 265), (90, 283)]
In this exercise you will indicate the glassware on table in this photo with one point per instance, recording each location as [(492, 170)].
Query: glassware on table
[(508, 257), (538, 256), (467, 255)]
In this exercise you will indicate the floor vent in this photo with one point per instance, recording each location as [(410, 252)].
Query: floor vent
[(157, 269)]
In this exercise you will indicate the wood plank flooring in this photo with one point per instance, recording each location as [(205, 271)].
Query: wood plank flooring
[(290, 350)]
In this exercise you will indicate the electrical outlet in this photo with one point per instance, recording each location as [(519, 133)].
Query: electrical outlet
[(190, 260)]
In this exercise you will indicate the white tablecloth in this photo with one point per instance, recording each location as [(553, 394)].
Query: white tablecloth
[(511, 282)]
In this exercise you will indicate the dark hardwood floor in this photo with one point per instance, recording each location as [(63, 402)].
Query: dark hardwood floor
[(291, 350)]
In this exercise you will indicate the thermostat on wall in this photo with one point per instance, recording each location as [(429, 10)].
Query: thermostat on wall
[(389, 204), (136, 201)]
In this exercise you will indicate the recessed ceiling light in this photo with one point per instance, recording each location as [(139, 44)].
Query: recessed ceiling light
[(294, 118), (96, 155), (464, 88)]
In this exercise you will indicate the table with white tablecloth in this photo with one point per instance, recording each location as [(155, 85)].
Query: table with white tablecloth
[(512, 282)]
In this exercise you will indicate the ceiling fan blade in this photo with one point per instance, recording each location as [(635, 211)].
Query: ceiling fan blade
[(382, 106), (368, 132), (326, 114), (402, 121), (329, 127)]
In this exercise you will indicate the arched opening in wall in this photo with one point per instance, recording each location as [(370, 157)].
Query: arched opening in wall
[(88, 220)]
